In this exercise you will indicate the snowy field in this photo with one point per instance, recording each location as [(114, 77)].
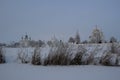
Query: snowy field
[(14, 71)]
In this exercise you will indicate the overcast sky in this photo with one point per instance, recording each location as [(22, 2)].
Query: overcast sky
[(42, 19)]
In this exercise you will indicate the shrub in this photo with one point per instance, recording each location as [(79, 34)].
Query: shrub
[(2, 57), (87, 59), (105, 60), (36, 57), (90, 56), (115, 48), (23, 56), (90, 59), (109, 59), (54, 58), (118, 61), (77, 60), (58, 55)]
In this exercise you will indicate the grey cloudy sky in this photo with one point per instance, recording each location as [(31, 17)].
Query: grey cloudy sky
[(42, 19)]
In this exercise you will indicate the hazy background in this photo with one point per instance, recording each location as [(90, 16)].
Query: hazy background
[(42, 19)]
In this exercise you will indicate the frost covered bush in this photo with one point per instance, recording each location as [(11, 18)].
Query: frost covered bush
[(23, 55), (114, 48), (118, 61), (90, 57), (36, 57), (87, 59), (109, 59), (112, 56), (2, 57), (77, 60), (58, 55)]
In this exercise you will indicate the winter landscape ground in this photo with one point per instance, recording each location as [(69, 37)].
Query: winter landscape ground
[(14, 69)]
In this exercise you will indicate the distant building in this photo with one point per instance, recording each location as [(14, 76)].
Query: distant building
[(96, 36), (25, 41)]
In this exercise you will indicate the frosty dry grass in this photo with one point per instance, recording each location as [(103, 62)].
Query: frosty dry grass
[(2, 57)]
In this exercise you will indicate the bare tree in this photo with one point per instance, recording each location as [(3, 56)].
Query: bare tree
[(71, 40), (77, 38), (113, 39), (97, 36)]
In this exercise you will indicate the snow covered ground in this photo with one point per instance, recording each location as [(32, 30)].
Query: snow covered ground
[(14, 71)]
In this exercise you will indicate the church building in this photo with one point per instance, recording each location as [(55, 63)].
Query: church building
[(25, 41)]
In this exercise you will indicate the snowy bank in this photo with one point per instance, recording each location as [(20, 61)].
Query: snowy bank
[(12, 71)]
